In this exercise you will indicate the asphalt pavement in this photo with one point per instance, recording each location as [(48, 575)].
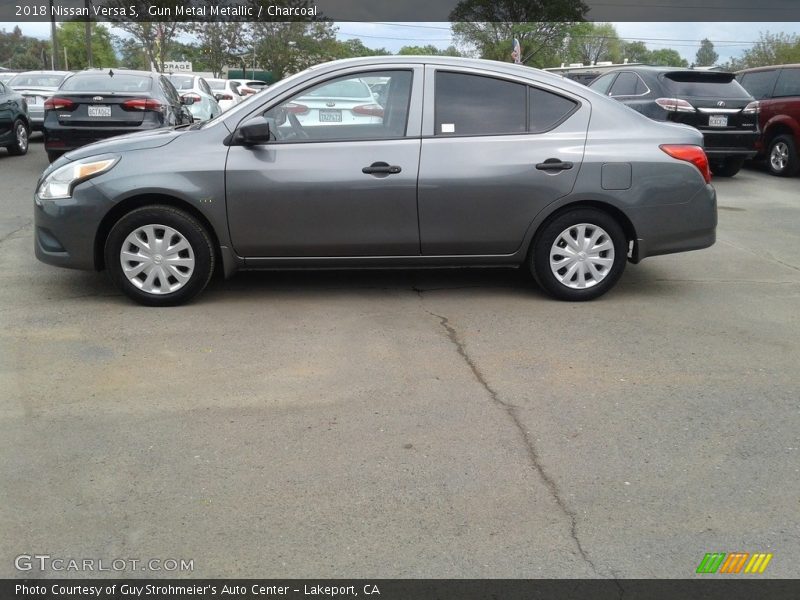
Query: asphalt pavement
[(442, 423)]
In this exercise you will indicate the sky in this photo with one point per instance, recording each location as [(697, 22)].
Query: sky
[(730, 38)]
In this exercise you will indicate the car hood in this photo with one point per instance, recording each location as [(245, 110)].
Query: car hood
[(143, 140)]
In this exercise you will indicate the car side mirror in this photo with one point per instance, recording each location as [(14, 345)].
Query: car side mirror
[(218, 97), (253, 132), (187, 100)]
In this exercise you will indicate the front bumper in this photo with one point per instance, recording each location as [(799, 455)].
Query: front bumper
[(670, 228), (64, 230)]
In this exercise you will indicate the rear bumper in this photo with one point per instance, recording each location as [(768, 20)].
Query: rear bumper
[(730, 143), (64, 139), (670, 228)]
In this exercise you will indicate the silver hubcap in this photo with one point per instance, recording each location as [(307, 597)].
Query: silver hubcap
[(157, 259), (22, 137), (779, 157), (582, 256)]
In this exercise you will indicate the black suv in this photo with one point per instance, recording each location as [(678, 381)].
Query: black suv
[(711, 101)]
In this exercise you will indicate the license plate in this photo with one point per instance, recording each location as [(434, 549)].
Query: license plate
[(718, 121), (32, 100), (99, 111), (330, 115)]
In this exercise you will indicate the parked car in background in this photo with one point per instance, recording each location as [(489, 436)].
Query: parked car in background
[(778, 91), (226, 92), (36, 87), (249, 87), (197, 96), (15, 123), (711, 101), (562, 181), (96, 104), (7, 75), (345, 102)]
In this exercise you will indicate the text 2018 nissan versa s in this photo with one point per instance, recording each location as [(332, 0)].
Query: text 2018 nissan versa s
[(466, 162)]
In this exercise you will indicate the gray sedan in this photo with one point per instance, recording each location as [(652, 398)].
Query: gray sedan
[(37, 87), (466, 162)]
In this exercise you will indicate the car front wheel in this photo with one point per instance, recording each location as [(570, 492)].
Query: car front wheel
[(579, 255), (20, 144), (159, 255), (783, 160)]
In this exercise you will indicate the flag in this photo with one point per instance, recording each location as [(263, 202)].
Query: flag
[(516, 53)]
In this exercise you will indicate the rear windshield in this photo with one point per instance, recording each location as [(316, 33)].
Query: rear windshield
[(705, 85), (182, 82), (36, 80), (96, 82)]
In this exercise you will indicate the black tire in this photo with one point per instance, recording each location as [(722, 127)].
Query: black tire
[(727, 167), (539, 257), (53, 156), (21, 138), (783, 168), (201, 247)]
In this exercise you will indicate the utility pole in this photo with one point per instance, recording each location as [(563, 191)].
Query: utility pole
[(88, 34), (53, 40)]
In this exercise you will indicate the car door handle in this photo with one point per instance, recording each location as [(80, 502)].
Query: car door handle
[(381, 168), (554, 164)]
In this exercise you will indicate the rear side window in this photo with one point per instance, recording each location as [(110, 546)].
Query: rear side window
[(626, 85), (759, 84), (788, 83), (478, 105), (601, 84), (546, 110)]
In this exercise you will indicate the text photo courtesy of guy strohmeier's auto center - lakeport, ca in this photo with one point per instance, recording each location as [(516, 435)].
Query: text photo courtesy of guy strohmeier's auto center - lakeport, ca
[(454, 299)]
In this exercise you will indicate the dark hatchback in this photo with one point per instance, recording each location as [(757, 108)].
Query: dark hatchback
[(711, 101), (14, 121), (95, 105)]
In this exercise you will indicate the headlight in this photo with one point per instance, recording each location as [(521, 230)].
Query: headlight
[(61, 182)]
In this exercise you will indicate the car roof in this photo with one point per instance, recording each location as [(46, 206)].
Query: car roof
[(44, 72), (770, 68)]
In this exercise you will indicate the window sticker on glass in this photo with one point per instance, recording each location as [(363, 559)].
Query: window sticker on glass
[(448, 127)]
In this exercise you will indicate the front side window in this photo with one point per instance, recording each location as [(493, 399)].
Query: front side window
[(345, 108), (601, 84), (788, 83), (478, 105)]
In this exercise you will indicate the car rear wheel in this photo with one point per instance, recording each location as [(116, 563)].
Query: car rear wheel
[(727, 167), (579, 255), (20, 144), (782, 159), (53, 156), (159, 256)]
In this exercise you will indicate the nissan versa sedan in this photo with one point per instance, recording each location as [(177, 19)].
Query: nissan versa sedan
[(471, 163)]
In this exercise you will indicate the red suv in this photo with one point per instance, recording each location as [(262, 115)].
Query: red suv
[(778, 90)]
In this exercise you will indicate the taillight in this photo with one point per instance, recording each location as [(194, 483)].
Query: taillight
[(143, 104), (372, 110), (225, 97), (675, 105), (693, 154), (193, 97), (59, 104), (246, 91), (293, 107), (752, 109)]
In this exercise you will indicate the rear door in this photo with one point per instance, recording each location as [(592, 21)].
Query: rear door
[(495, 151)]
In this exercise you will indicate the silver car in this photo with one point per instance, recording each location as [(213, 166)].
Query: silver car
[(471, 163), (36, 87), (197, 95)]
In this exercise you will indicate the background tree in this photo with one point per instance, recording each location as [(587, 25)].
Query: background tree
[(428, 50), (131, 54), (355, 47), (286, 48), (706, 56), (667, 57), (588, 43), (770, 49), (635, 52), (487, 28), (219, 42), (18, 51), (71, 36)]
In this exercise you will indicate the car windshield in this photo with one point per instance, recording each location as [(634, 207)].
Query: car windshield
[(710, 85), (36, 80), (182, 82), (103, 82)]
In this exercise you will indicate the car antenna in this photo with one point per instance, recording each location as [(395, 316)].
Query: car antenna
[(110, 72)]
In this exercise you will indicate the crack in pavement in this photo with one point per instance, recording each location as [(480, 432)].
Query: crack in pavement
[(511, 411), (17, 230)]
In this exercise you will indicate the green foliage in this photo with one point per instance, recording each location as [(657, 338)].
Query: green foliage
[(19, 51), (428, 50), (72, 36), (667, 57), (589, 43), (706, 56), (635, 52), (219, 43), (771, 49), (286, 48)]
